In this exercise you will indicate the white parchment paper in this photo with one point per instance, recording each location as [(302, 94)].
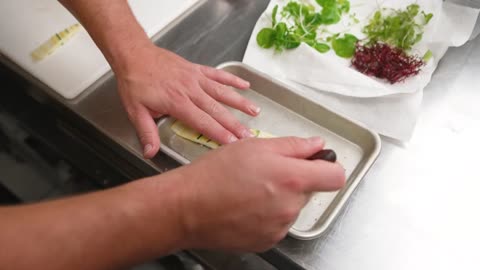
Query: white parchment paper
[(389, 109)]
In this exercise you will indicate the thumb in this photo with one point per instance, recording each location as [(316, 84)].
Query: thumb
[(147, 131)]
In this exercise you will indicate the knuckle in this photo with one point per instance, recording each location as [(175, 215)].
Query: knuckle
[(145, 137), (269, 189), (203, 123), (293, 184), (215, 108), (219, 91), (245, 104), (293, 143), (192, 85), (203, 69), (238, 80)]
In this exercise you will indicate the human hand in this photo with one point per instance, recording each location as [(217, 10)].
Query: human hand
[(245, 196), (155, 82)]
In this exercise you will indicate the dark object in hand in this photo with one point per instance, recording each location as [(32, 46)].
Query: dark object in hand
[(326, 154)]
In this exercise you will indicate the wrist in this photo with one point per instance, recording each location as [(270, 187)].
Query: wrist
[(123, 58), (160, 212), (189, 217)]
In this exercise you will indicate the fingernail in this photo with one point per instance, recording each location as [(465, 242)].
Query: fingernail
[(232, 139), (254, 109), (247, 134), (315, 141), (147, 149)]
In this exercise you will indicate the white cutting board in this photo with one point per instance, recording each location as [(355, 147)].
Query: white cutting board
[(25, 24)]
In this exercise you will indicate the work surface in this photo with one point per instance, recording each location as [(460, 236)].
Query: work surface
[(416, 209)]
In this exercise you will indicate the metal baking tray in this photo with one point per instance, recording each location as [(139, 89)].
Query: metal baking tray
[(285, 113)]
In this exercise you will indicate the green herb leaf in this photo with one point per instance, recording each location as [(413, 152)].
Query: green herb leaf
[(332, 10), (398, 28), (274, 16), (344, 6), (428, 55), (331, 15), (299, 23), (281, 30), (312, 21), (291, 42), (345, 47), (266, 38), (427, 17), (305, 35), (413, 10), (325, 3), (295, 9), (321, 47), (284, 39)]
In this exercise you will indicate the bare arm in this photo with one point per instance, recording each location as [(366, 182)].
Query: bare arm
[(103, 230), (153, 82), (112, 26)]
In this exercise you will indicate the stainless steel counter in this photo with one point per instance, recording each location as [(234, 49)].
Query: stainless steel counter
[(416, 207)]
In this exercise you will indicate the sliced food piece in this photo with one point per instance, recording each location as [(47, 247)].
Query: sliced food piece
[(55, 42), (190, 134)]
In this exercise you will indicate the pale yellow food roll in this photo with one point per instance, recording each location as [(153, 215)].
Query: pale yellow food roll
[(55, 42), (188, 133)]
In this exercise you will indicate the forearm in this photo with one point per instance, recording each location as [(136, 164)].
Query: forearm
[(104, 230), (112, 26)]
